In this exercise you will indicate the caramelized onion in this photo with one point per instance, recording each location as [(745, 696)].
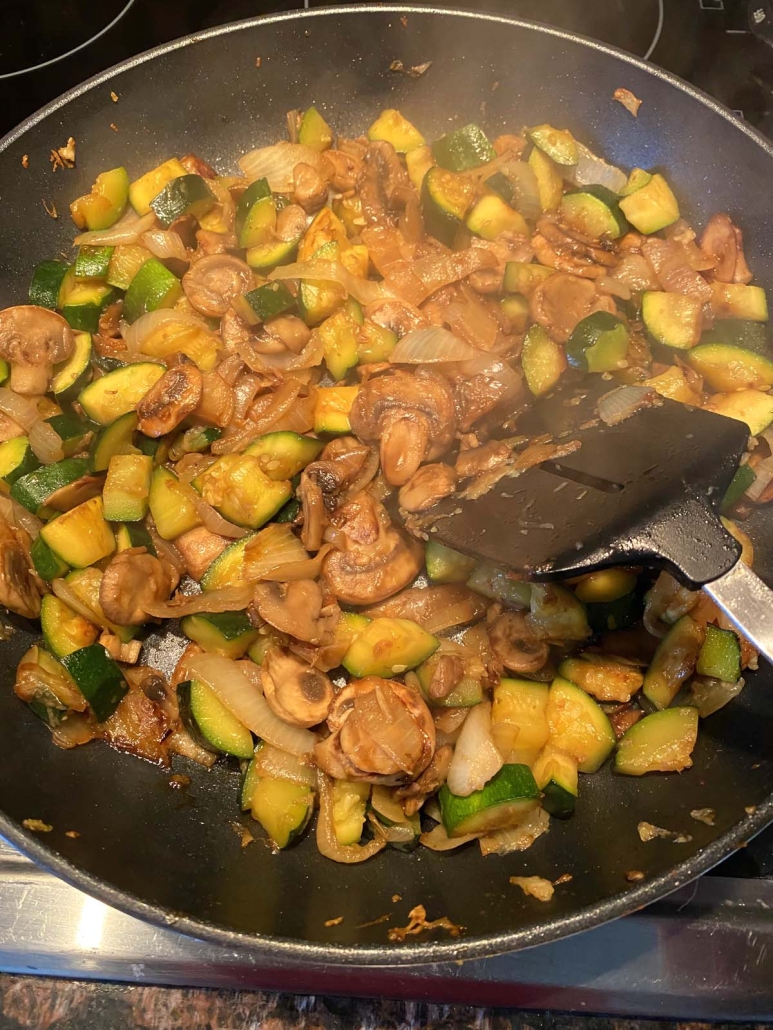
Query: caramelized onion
[(327, 842), (225, 599)]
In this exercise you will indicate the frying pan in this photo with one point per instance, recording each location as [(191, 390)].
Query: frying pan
[(171, 857)]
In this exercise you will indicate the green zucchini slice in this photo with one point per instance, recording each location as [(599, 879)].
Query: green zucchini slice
[(445, 198), (47, 282), (92, 262), (314, 131), (727, 368), (17, 459), (599, 343), (64, 630), (47, 565), (185, 195), (98, 677), (59, 486), (125, 494), (462, 149), (115, 438), (283, 454), (594, 211), (393, 128), (80, 537), (661, 742), (119, 392), (673, 319), (673, 661), (152, 287), (578, 726), (388, 647), (72, 375), (282, 808), (444, 565), (506, 799), (226, 633), (720, 655), (651, 207), (210, 723), (171, 505)]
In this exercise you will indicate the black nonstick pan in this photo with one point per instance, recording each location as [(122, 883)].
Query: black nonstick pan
[(172, 857)]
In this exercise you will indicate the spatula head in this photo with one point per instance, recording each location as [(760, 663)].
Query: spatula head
[(644, 491)]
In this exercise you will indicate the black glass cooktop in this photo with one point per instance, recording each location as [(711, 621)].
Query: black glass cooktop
[(723, 46)]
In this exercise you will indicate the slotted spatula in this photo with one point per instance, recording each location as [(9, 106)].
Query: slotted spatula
[(644, 491)]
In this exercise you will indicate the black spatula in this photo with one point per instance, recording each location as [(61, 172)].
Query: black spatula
[(644, 491)]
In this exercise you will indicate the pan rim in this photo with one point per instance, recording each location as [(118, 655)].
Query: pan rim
[(311, 954)]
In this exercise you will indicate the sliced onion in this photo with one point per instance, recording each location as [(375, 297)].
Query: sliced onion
[(620, 404), (277, 164), (243, 698), (65, 593), (224, 599), (328, 845), (437, 839), (428, 346), (164, 243), (271, 549), (281, 765), (475, 758), (363, 290), (15, 515), (136, 333), (45, 443), (516, 838), (300, 417), (614, 287), (763, 470), (181, 743), (284, 361), (709, 694), (525, 189), (308, 569), (166, 551), (245, 390), (593, 171), (18, 408), (281, 401), (127, 230), (435, 608), (495, 369), (214, 521)]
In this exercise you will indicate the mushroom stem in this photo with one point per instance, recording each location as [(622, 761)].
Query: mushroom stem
[(403, 447), (30, 380)]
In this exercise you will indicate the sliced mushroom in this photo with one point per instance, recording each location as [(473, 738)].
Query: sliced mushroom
[(33, 340), (214, 282), (209, 243), (381, 732), (197, 166), (290, 222), (563, 300), (131, 580), (411, 416), (447, 675), (20, 589), (199, 547), (378, 560), (396, 315), (309, 187), (346, 170), (381, 184), (176, 394), (427, 486), (344, 467), (216, 405), (298, 609), (569, 251), (294, 690), (515, 645), (431, 780), (722, 241)]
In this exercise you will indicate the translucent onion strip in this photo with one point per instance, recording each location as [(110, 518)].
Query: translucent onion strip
[(277, 164), (364, 290), (429, 346), (15, 515), (347, 854), (224, 599), (127, 230), (271, 550), (243, 698), (281, 765)]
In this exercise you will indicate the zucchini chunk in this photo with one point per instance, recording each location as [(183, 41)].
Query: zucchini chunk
[(64, 630), (210, 723), (227, 633), (125, 494), (524, 277), (605, 585), (349, 803), (256, 191), (82, 303), (270, 299), (661, 742), (228, 568), (599, 343), (250, 781), (72, 375), (726, 368), (559, 144), (753, 407), (331, 414), (673, 661), (115, 438), (47, 565), (594, 211), (17, 459), (578, 726), (462, 149), (119, 392), (314, 131), (92, 262), (283, 454), (491, 216), (673, 319), (152, 287), (734, 300), (171, 505), (444, 565), (498, 583), (237, 487), (106, 202), (46, 284), (506, 800), (601, 676), (98, 678), (339, 339), (388, 647), (556, 776), (282, 808), (374, 342), (393, 128), (185, 195), (651, 207), (134, 534), (720, 655), (57, 487), (637, 178), (80, 537), (467, 692), (739, 484), (550, 184), (543, 361), (71, 431), (519, 722), (445, 198), (149, 185), (127, 260)]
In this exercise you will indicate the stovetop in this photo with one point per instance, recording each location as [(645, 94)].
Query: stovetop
[(723, 46), (703, 952)]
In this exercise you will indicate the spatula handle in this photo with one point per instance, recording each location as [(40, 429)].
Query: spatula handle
[(748, 603)]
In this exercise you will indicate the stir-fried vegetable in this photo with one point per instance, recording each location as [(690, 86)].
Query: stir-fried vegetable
[(263, 383)]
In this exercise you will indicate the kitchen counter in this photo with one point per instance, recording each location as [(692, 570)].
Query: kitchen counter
[(43, 1004)]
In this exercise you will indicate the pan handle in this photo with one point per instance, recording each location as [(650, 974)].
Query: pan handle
[(748, 603)]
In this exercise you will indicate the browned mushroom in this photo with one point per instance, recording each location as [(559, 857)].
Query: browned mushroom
[(567, 250), (20, 588), (411, 416), (435, 608), (176, 394), (209, 243), (298, 609), (33, 340), (199, 547), (345, 466), (446, 676), (216, 404), (309, 187), (378, 559), (294, 690), (381, 184), (197, 166), (396, 315), (131, 580), (346, 170), (515, 645), (722, 241), (431, 780), (563, 300), (427, 486), (381, 732), (214, 282)]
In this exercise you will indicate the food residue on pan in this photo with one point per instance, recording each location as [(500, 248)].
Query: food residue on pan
[(37, 825), (113, 97), (63, 157), (704, 815), (25, 160), (72, 834), (334, 922), (50, 209), (396, 898), (563, 878), (634, 875), (648, 831), (258, 62), (113, 126), (750, 809), (534, 886), (178, 781), (418, 923), (374, 922), (415, 71), (404, 21), (243, 833), (629, 100)]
